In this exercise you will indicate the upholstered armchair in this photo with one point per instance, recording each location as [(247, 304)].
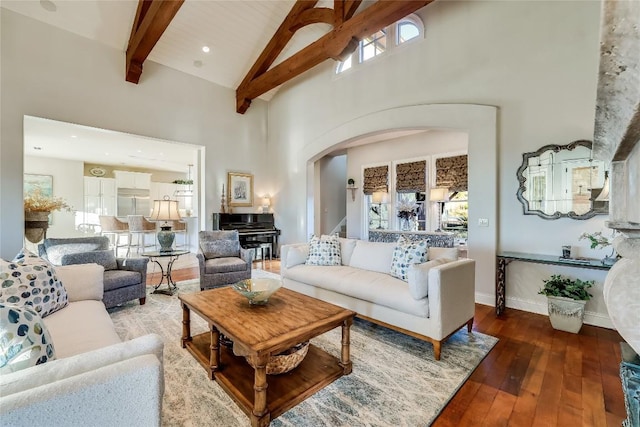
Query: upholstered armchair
[(125, 279), (222, 260)]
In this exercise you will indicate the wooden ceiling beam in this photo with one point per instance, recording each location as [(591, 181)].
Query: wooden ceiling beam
[(152, 19), (334, 44), (314, 16), (278, 42)]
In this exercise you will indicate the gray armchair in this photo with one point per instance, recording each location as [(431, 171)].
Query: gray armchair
[(222, 260), (125, 279)]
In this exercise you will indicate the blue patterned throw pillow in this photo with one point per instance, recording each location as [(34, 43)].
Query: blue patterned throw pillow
[(407, 252), (29, 280), (324, 250), (24, 340)]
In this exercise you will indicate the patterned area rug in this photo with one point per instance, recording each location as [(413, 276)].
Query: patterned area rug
[(395, 380)]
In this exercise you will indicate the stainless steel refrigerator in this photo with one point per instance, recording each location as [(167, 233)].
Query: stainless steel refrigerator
[(133, 201)]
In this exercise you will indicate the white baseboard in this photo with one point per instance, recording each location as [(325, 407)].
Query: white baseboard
[(590, 318)]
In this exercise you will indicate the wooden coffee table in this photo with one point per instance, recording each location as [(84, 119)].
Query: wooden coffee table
[(259, 332)]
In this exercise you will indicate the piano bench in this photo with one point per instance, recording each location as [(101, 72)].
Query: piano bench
[(259, 247)]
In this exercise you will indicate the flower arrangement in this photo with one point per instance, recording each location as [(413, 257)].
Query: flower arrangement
[(37, 201), (597, 239), (406, 210)]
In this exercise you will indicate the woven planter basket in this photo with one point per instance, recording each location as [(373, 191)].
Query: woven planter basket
[(287, 360)]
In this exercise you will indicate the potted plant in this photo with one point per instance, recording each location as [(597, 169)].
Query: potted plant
[(37, 207), (566, 299)]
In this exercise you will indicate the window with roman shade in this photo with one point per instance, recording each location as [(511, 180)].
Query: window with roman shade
[(452, 172), (411, 177), (376, 179)]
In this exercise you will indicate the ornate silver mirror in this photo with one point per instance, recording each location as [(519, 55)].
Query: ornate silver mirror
[(563, 181)]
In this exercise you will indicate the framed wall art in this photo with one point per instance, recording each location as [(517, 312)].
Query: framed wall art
[(43, 182), (240, 189)]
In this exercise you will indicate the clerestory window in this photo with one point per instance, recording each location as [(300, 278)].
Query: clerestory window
[(377, 44)]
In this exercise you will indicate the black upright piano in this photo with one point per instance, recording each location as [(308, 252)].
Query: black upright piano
[(253, 228)]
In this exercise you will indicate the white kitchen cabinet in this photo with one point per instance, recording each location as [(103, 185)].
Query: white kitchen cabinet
[(139, 180)]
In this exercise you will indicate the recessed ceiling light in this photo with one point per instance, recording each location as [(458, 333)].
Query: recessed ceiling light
[(205, 49), (74, 136), (139, 151), (48, 5), (197, 63), (106, 154)]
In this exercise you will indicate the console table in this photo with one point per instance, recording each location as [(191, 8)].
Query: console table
[(504, 258)]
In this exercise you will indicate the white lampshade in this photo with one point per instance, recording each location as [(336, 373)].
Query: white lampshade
[(266, 201), (379, 197), (165, 210), (438, 194)]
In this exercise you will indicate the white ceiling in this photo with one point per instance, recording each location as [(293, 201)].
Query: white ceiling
[(235, 31), (60, 140)]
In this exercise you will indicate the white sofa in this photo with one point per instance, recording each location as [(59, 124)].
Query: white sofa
[(362, 283), (95, 378)]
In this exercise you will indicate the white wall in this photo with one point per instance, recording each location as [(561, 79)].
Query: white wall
[(51, 73), (536, 61), (333, 176)]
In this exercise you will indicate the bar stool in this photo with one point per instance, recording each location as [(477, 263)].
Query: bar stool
[(113, 228), (140, 227)]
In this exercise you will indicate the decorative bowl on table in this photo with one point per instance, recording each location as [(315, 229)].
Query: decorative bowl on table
[(257, 291)]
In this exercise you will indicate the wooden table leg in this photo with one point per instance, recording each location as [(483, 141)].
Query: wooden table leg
[(260, 416), (186, 325), (345, 361), (214, 356)]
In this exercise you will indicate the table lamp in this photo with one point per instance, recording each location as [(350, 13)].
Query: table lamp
[(165, 210), (378, 198), (439, 195), (266, 203)]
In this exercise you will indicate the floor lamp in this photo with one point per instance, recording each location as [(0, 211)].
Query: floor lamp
[(378, 198), (439, 195)]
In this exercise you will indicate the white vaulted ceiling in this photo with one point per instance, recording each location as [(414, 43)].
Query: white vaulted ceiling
[(235, 31)]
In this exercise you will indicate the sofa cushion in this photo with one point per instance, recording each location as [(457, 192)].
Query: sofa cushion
[(31, 281), (377, 288), (374, 256), (297, 255), (324, 250), (407, 252), (82, 281), (24, 340), (80, 327), (418, 276), (116, 279), (346, 249), (450, 254), (224, 265), (105, 258), (57, 248)]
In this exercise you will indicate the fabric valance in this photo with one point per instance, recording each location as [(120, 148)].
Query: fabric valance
[(451, 172), (410, 177), (376, 179)]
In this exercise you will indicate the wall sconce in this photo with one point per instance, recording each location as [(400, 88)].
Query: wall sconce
[(378, 198), (351, 185), (266, 203), (439, 195), (165, 210)]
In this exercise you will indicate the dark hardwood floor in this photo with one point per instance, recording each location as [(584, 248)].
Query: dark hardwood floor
[(534, 376)]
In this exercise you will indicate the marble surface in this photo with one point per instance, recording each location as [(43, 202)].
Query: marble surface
[(395, 380)]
